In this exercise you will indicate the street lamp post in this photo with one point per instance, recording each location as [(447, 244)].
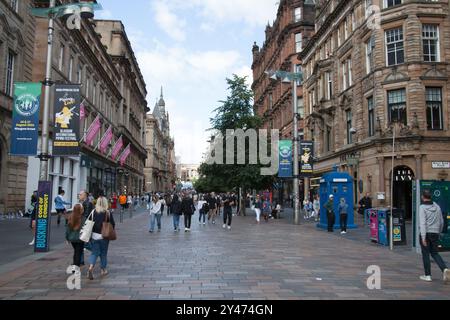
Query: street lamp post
[(391, 219), (293, 77)]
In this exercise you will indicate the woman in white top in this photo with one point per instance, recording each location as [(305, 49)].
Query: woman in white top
[(155, 213), (316, 207)]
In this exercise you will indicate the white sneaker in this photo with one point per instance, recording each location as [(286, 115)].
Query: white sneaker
[(229, 228), (446, 275), (32, 243), (204, 223), (224, 226), (426, 278)]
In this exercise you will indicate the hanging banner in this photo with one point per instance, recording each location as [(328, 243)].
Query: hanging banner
[(117, 147), (43, 217), (306, 158), (94, 129), (104, 143), (285, 151), (66, 138), (25, 122), (125, 155)]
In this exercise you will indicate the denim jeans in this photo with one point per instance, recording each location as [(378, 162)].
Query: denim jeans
[(99, 249), (202, 214), (227, 216), (431, 249), (176, 221), (343, 221), (153, 219)]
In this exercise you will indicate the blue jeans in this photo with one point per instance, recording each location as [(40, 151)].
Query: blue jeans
[(202, 214), (153, 219), (99, 249), (176, 221)]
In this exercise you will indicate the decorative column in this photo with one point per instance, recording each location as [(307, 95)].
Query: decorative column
[(419, 167)]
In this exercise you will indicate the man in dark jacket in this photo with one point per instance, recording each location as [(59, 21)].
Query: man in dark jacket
[(175, 208), (187, 209), (211, 199), (88, 206), (364, 204), (329, 207)]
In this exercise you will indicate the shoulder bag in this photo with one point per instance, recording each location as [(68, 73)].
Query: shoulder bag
[(86, 231), (108, 232)]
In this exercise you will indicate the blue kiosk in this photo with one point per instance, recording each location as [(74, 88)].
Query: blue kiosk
[(340, 185)]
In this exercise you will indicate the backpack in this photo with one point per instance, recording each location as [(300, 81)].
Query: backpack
[(205, 207)]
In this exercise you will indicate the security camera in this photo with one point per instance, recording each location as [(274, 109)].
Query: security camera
[(353, 131)]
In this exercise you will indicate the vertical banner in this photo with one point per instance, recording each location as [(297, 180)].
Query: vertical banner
[(104, 143), (306, 158), (43, 218), (93, 130), (25, 122), (66, 139), (125, 154), (116, 149), (285, 151)]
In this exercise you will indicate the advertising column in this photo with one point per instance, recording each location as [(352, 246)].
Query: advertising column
[(43, 218)]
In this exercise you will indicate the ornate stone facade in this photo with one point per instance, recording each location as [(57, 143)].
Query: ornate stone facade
[(361, 78)]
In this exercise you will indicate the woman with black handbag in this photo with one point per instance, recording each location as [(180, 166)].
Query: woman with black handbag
[(100, 241)]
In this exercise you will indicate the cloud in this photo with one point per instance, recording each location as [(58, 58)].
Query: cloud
[(168, 21), (104, 14)]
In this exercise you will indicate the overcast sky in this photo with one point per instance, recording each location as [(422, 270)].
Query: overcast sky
[(189, 47)]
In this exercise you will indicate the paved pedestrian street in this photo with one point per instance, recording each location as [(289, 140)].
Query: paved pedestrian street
[(274, 260)]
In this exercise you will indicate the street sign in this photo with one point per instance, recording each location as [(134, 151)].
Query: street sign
[(440, 165)]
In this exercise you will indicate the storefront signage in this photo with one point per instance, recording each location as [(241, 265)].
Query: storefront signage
[(403, 175), (66, 141), (25, 124), (43, 218), (440, 165)]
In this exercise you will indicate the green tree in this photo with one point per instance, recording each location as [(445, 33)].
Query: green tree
[(236, 112)]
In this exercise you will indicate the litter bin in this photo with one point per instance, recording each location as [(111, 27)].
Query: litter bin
[(444, 244), (399, 227), (373, 223)]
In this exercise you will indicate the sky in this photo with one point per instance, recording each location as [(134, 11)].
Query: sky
[(190, 47)]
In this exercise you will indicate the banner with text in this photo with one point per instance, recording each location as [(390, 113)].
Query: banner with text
[(306, 158), (66, 141), (25, 124), (43, 217), (285, 150)]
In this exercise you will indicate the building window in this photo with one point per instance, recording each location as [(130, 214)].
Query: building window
[(298, 42), (347, 81), (370, 46), (397, 106), (10, 64), (61, 58), (329, 80), (14, 5), (94, 92), (371, 109), (88, 85), (300, 107), (349, 127), (328, 139), (391, 3), (270, 101), (368, 4), (395, 47), (80, 74), (298, 69), (430, 36), (297, 14), (434, 108)]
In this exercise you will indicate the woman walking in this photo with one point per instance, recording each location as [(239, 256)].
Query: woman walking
[(155, 214), (267, 209), (258, 206), (73, 228), (187, 209), (203, 209), (175, 209), (34, 208), (100, 245), (60, 205), (316, 208)]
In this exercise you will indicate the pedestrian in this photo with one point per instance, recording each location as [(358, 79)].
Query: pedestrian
[(136, 202), (114, 200), (187, 209), (60, 206), (76, 220), (307, 208), (168, 200), (34, 209), (99, 244), (130, 202), (175, 208), (218, 204), (343, 215), (266, 209), (88, 206), (257, 206), (364, 204), (155, 214), (276, 213), (316, 207), (123, 202), (163, 203), (212, 207), (203, 209), (329, 206), (228, 203), (431, 224)]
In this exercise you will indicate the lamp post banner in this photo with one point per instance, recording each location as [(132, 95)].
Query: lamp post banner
[(43, 217), (306, 158), (25, 124), (285, 150), (66, 141)]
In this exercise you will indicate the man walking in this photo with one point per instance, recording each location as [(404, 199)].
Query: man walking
[(431, 224), (329, 206), (364, 204), (88, 206), (228, 203)]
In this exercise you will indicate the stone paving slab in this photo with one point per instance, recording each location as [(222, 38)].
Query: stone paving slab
[(275, 260)]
